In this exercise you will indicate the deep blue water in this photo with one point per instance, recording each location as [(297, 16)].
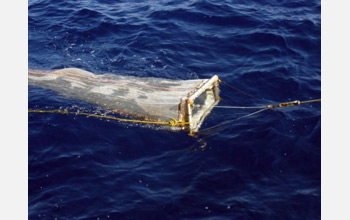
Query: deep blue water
[(263, 167)]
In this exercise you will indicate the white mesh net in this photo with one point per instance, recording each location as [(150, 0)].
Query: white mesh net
[(148, 98)]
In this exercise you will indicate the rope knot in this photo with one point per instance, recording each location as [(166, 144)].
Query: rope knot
[(173, 122), (284, 104)]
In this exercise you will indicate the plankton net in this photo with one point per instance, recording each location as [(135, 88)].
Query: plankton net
[(149, 98)]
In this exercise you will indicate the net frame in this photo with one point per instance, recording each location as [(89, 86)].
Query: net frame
[(195, 120)]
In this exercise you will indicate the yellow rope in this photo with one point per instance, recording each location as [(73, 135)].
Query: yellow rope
[(280, 105), (172, 122), (292, 103), (310, 101)]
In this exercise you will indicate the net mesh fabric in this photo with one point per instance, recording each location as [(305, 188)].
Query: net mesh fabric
[(148, 98)]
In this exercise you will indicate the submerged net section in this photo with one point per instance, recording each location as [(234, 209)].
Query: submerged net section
[(147, 98)]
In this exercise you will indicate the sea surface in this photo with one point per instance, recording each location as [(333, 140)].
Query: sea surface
[(266, 166)]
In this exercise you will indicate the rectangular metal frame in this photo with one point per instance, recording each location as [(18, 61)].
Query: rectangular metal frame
[(212, 83)]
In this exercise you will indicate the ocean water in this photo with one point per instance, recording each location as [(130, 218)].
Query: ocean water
[(266, 166)]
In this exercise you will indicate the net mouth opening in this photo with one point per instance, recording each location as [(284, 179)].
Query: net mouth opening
[(199, 104)]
